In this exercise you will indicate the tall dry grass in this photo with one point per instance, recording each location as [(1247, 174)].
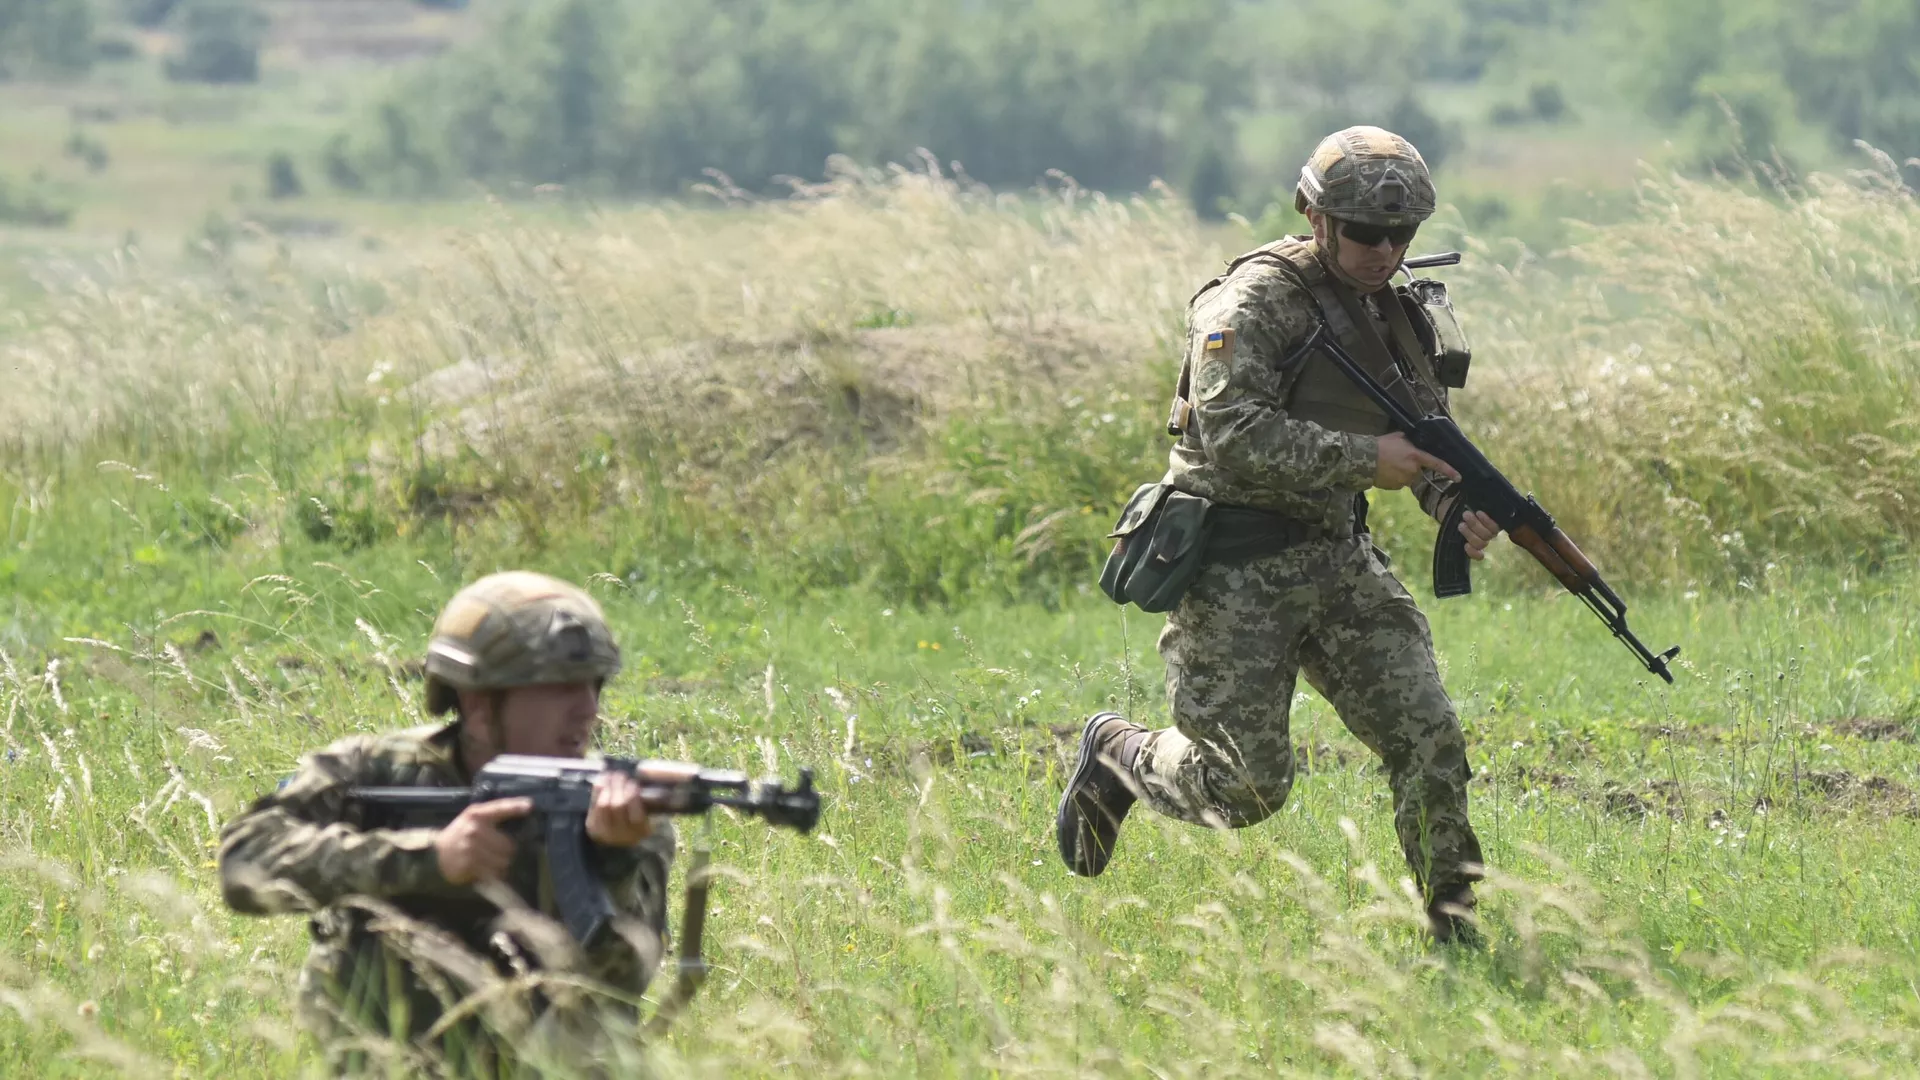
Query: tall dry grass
[(1726, 381)]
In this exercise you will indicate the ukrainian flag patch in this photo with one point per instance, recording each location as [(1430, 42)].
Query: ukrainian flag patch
[(1217, 340)]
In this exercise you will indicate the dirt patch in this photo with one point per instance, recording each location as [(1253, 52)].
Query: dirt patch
[(1684, 734), (1877, 729), (1530, 778), (1325, 757), (1871, 794), (740, 405), (969, 744), (1637, 802)]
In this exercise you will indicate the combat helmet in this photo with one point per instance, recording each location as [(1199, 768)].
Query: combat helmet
[(1369, 175), (517, 629)]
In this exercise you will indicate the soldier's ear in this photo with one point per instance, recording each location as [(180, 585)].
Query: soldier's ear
[(474, 708)]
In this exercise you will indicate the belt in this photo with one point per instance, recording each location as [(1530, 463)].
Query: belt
[(1243, 533)]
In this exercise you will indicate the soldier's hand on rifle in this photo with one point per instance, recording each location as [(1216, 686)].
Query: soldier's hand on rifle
[(617, 818), (1401, 462), (472, 847), (1480, 530)]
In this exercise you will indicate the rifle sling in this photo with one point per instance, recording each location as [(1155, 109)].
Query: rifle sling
[(1340, 306), (692, 971), (1407, 341)]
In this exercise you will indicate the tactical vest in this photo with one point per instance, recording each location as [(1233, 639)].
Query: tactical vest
[(1399, 346)]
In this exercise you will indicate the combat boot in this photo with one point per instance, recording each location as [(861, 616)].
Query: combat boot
[(1450, 919), (1099, 793)]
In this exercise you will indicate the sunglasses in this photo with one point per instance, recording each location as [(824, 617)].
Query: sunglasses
[(1371, 235)]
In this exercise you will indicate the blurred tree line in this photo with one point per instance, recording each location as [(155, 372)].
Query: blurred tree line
[(217, 40), (46, 37), (1740, 73), (628, 96), (1221, 98)]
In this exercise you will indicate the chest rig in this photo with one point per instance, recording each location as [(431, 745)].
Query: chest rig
[(1407, 337)]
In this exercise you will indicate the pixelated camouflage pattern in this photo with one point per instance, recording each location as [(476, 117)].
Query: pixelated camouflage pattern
[(517, 629), (1299, 440), (365, 877), (1333, 610), (1367, 174)]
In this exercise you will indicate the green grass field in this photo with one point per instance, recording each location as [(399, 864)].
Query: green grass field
[(839, 469), (1709, 880)]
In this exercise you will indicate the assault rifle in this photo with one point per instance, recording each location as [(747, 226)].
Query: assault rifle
[(561, 790), (1483, 488)]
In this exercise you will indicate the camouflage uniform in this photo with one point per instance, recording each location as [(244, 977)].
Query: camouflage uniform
[(394, 943), (1275, 432)]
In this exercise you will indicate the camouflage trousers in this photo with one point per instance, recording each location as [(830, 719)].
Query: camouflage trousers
[(1333, 610), (380, 1005)]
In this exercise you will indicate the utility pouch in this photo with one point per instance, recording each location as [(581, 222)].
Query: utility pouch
[(1160, 545), (1449, 349)]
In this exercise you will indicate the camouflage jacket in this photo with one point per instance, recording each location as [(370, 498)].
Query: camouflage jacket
[(1242, 446), (373, 888)]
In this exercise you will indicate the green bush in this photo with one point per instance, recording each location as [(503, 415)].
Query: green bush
[(1844, 68), (149, 13), (30, 204), (220, 41), (283, 177), (46, 36)]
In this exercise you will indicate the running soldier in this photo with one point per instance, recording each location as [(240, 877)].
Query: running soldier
[(1286, 446)]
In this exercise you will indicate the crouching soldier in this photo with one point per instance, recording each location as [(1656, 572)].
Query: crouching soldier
[(415, 930)]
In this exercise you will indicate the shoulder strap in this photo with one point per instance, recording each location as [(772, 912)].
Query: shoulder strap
[(1341, 308), (1283, 252), (1424, 383)]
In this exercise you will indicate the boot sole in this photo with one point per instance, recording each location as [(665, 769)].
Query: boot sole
[(1089, 759)]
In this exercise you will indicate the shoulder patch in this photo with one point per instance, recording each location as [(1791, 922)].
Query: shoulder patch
[(1216, 365)]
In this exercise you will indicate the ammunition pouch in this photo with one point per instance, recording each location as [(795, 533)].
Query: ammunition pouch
[(1448, 344), (1160, 543)]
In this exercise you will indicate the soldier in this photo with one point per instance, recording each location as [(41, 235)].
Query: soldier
[(1285, 446), (519, 659)]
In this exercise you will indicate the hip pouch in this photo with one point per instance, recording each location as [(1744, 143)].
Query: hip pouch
[(1160, 545)]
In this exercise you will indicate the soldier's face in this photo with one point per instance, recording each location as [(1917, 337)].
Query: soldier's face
[(1370, 265), (552, 719)]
